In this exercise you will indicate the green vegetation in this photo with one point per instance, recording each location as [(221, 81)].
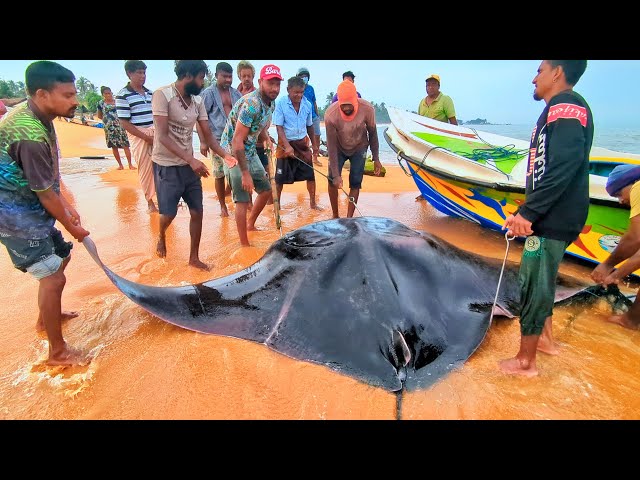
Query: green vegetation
[(477, 121), (88, 95), (11, 89)]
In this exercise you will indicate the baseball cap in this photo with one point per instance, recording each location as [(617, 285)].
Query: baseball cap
[(434, 76), (620, 177), (270, 71)]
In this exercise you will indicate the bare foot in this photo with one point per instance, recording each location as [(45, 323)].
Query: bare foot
[(69, 357), (548, 347), (224, 212), (69, 315), (514, 366), (623, 321), (120, 168), (64, 316), (131, 167), (316, 207), (161, 248), (252, 228), (198, 264)]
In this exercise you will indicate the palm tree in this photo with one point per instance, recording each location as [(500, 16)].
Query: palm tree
[(329, 99), (84, 86)]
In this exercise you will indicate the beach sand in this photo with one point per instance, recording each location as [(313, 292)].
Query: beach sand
[(145, 368)]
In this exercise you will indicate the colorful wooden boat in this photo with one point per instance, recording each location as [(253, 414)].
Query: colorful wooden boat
[(480, 176)]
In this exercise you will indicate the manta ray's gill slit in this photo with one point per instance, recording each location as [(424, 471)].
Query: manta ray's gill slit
[(422, 353)]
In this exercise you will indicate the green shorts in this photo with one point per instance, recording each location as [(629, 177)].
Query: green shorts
[(537, 278), (258, 174), (217, 165)]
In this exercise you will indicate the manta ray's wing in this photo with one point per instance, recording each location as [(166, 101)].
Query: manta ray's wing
[(243, 305)]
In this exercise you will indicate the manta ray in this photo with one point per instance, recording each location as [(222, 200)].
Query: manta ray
[(368, 297)]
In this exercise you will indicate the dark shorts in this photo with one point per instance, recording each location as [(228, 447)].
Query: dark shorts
[(538, 271), (41, 257), (172, 183), (356, 171), (289, 170), (262, 154), (316, 126)]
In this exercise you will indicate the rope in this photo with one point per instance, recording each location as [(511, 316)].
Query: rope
[(494, 153), (504, 262)]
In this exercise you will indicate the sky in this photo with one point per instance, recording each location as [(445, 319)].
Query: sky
[(499, 91)]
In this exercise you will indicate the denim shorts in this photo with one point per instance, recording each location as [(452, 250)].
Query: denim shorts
[(41, 257), (316, 126), (356, 171)]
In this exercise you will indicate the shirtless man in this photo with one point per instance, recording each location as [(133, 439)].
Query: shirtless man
[(218, 99)]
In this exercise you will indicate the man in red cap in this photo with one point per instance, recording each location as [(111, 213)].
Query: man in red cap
[(247, 126), (351, 129)]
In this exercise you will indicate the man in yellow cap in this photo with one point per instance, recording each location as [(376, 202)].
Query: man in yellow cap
[(436, 104)]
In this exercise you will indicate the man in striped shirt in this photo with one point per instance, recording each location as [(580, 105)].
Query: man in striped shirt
[(133, 107)]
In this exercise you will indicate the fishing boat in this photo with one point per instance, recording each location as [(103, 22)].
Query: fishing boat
[(480, 176)]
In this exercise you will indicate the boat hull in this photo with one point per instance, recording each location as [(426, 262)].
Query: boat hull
[(488, 203)]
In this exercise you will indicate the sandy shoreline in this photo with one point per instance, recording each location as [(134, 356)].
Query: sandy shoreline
[(146, 368)]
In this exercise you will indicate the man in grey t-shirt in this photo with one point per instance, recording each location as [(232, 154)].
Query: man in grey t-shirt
[(176, 109)]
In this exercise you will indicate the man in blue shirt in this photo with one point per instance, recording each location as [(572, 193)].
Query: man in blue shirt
[(310, 94), (292, 118)]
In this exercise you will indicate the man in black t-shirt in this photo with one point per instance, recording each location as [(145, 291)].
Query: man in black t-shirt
[(556, 204)]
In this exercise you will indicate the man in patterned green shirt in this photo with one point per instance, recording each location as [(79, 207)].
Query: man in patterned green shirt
[(247, 125), (31, 200)]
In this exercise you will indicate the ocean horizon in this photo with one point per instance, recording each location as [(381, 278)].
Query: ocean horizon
[(623, 139)]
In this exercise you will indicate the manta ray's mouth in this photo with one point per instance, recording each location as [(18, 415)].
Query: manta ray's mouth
[(407, 349)]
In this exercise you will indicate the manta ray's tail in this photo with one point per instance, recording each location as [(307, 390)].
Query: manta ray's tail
[(619, 302)]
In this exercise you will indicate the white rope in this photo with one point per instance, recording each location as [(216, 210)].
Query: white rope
[(504, 262)]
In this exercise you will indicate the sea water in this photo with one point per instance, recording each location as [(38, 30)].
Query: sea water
[(618, 139)]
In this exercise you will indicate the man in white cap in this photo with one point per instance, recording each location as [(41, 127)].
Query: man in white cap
[(623, 184), (436, 104)]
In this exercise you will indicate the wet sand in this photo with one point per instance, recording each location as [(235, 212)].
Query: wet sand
[(144, 368)]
